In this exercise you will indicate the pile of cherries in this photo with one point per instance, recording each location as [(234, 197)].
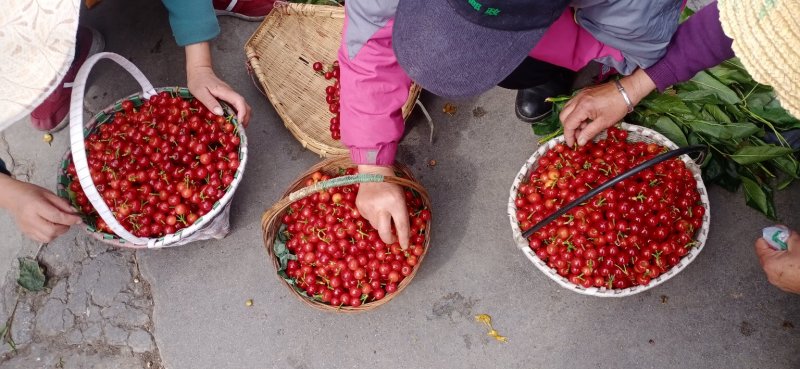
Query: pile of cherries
[(159, 166), (338, 258), (626, 235)]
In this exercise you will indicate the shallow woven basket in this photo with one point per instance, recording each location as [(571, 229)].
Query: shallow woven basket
[(214, 224), (635, 134), (271, 220), (281, 53)]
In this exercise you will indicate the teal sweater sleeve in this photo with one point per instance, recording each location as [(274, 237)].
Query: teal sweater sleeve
[(192, 21)]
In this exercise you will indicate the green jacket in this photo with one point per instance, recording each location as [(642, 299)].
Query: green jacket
[(192, 21)]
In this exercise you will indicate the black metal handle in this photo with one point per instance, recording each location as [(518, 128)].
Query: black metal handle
[(611, 182)]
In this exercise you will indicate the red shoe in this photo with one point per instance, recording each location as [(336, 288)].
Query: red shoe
[(52, 115), (249, 10)]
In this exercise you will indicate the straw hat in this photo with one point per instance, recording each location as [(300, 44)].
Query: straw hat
[(766, 37), (37, 45)]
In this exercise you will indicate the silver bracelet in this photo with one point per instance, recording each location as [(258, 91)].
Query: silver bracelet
[(624, 95)]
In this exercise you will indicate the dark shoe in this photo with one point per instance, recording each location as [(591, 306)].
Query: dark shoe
[(531, 106)]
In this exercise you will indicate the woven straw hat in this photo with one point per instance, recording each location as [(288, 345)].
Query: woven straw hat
[(37, 45), (766, 37)]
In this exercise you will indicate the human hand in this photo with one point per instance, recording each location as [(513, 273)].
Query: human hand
[(781, 267), (382, 204), (39, 214), (597, 108), (207, 87)]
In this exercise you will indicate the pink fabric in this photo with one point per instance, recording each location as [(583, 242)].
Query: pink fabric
[(569, 45), (373, 89)]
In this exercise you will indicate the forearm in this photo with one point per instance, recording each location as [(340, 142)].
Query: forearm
[(198, 56), (638, 85), (699, 44)]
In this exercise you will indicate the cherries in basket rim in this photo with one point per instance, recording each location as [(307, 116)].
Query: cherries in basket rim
[(626, 235)]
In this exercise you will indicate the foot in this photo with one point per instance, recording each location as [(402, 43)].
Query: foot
[(531, 106), (52, 115), (249, 10)]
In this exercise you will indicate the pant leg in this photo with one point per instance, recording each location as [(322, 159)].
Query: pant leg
[(532, 72)]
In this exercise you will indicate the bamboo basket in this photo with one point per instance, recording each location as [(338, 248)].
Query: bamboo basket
[(635, 134), (281, 53), (271, 221)]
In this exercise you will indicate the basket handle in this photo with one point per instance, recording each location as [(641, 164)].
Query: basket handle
[(619, 178), (78, 148), (331, 183)]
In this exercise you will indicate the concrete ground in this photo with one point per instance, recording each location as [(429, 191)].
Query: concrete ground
[(185, 307)]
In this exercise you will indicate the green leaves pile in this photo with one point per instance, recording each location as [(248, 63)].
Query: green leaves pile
[(726, 110)]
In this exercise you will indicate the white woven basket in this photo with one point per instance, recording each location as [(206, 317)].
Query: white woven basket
[(635, 134), (213, 224)]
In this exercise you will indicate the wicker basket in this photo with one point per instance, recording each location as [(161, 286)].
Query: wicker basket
[(214, 224), (281, 53), (635, 134), (271, 221)]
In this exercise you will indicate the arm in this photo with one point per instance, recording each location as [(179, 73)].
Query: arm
[(698, 44), (373, 89), (39, 214), (193, 24)]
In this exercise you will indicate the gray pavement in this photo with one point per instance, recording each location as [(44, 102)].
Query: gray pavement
[(185, 307)]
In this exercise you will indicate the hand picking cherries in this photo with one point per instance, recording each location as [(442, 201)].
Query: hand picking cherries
[(159, 166), (339, 258), (331, 95), (626, 235)]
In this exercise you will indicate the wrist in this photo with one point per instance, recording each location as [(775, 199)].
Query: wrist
[(376, 169), (198, 57), (637, 85)]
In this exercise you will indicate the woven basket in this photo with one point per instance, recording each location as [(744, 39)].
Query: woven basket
[(281, 53), (214, 224), (271, 220), (635, 134)]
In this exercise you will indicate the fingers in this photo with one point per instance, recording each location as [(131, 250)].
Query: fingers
[(42, 230), (210, 102), (592, 129), (225, 93), (764, 251), (64, 207), (570, 120), (401, 224), (55, 215), (383, 224)]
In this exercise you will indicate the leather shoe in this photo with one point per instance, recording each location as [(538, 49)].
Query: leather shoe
[(531, 106)]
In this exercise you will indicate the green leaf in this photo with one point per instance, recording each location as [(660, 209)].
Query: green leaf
[(730, 73), (722, 131), (721, 91), (717, 112), (686, 13), (668, 128), (758, 197), (785, 183), (778, 116), (721, 172), (281, 252), (787, 164), (31, 276), (547, 126), (756, 154), (667, 104)]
